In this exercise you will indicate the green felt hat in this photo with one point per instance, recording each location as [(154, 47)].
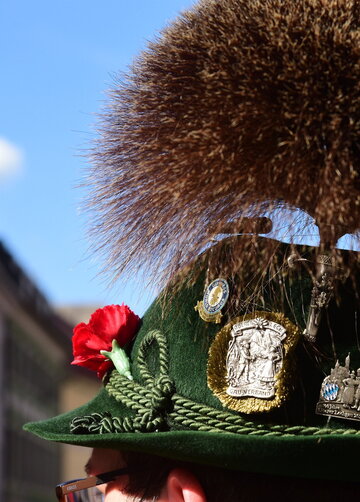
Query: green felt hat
[(177, 405), (238, 110)]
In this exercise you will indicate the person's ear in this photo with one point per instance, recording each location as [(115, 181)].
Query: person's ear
[(182, 486)]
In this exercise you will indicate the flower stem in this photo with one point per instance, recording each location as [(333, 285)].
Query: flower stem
[(119, 359)]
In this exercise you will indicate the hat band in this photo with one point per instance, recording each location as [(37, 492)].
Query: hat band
[(158, 407)]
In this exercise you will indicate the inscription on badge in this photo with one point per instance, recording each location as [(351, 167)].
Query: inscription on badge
[(254, 358)]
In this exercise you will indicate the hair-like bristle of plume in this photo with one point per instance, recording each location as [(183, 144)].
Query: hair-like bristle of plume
[(239, 107)]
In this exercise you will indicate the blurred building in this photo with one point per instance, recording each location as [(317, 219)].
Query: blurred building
[(36, 382), (78, 388)]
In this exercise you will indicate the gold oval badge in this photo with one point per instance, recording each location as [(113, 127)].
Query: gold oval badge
[(249, 365)]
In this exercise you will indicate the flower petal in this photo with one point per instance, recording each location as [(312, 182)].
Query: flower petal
[(112, 322)]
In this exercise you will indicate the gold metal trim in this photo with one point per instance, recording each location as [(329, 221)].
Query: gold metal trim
[(216, 318)]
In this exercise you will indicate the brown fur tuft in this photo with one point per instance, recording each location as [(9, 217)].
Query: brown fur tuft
[(240, 107)]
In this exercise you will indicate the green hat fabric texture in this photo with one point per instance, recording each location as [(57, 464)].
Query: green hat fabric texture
[(168, 409)]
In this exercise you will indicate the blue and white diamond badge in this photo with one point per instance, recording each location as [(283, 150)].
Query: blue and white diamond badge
[(215, 298), (330, 391)]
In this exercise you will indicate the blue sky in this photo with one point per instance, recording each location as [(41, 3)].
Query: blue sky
[(58, 58)]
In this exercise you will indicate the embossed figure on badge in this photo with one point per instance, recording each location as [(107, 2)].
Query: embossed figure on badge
[(357, 392), (255, 356)]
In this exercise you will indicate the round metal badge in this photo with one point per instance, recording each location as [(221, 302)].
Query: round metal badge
[(216, 296)]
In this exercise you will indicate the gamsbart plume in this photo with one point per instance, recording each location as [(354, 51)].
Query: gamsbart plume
[(237, 109)]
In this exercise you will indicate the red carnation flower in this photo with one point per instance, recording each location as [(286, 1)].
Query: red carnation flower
[(113, 322)]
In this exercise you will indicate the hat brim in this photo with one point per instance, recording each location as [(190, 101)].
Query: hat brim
[(306, 456)]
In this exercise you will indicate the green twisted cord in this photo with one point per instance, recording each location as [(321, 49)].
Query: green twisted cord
[(156, 405), (104, 423), (159, 338), (133, 396), (200, 417)]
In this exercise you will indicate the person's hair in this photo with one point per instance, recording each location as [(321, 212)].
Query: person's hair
[(149, 474)]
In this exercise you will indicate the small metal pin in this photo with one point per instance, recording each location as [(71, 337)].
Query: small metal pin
[(293, 259), (321, 295)]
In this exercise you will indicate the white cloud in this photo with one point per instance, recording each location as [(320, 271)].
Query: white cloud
[(11, 160)]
